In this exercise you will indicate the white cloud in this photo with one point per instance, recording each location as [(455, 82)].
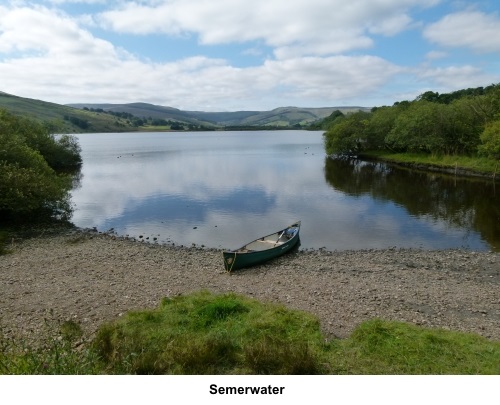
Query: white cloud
[(42, 30), (458, 77), (472, 29), (332, 77), (433, 55), (77, 1), (316, 49), (199, 83), (318, 27), (65, 63), (392, 25)]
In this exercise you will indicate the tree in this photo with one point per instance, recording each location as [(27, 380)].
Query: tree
[(176, 127), (380, 124), (327, 122), (490, 139), (434, 128), (62, 152), (28, 183), (417, 129), (429, 96), (465, 126), (346, 135)]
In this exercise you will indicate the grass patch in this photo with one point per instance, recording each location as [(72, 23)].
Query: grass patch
[(476, 164), (381, 347), (213, 334), (203, 333), (60, 354)]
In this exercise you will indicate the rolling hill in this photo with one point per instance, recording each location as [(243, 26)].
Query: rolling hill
[(280, 117), (74, 118), (61, 118)]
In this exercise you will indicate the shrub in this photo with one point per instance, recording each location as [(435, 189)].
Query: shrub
[(490, 139), (29, 156)]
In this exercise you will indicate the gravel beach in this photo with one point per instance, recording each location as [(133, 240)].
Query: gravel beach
[(92, 278)]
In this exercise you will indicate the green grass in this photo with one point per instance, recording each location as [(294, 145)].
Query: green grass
[(60, 354), (54, 115), (203, 333), (207, 334), (476, 164), (381, 347)]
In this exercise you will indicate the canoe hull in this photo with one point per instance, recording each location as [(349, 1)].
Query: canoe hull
[(255, 252)]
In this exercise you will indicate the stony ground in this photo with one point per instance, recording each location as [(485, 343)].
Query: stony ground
[(92, 278)]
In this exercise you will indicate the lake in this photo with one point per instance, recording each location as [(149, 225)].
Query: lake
[(223, 189)]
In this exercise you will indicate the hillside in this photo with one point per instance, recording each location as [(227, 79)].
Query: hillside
[(75, 118), (281, 117), (61, 118)]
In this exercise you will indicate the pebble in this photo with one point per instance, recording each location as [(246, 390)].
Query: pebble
[(98, 279)]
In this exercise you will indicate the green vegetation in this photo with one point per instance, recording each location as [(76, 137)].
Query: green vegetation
[(490, 139), (327, 122), (381, 347), (150, 123), (204, 333), (207, 334), (451, 162), (63, 119), (76, 118), (60, 354), (31, 159), (464, 123)]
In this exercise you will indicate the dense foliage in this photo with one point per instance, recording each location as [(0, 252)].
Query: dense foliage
[(466, 122), (326, 122), (30, 159)]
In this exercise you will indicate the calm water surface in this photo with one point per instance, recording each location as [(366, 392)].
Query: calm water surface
[(223, 189)]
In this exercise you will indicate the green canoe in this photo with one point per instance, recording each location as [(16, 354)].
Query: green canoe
[(262, 249)]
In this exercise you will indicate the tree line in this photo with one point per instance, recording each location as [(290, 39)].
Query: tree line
[(137, 122), (466, 122), (84, 124), (34, 167)]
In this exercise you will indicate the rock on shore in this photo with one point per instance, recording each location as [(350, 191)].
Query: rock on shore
[(91, 278)]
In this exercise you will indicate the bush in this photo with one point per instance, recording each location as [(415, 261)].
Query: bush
[(59, 153), (346, 135), (29, 156), (491, 140)]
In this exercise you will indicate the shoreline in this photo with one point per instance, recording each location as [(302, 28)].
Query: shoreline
[(456, 171), (93, 278)]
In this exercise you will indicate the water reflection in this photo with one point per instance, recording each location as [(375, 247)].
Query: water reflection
[(223, 189), (460, 203), (168, 184)]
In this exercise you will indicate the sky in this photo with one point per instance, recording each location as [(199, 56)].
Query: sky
[(232, 55)]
